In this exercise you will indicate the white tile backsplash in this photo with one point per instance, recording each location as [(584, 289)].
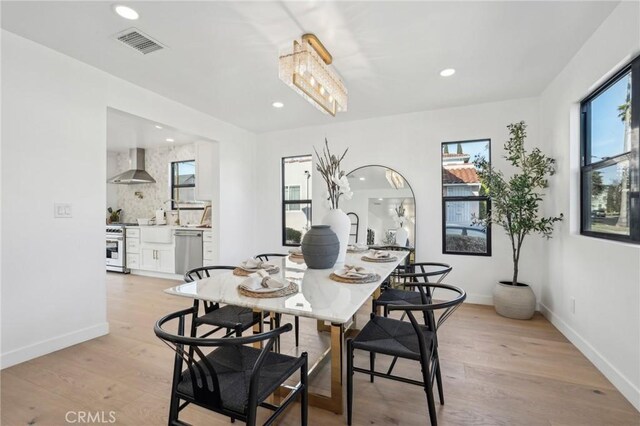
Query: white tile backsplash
[(158, 165)]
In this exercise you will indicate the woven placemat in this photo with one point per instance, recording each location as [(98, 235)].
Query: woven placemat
[(242, 273), (385, 260), (369, 279), (290, 289)]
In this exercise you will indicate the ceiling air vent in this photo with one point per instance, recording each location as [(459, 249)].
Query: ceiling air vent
[(138, 40)]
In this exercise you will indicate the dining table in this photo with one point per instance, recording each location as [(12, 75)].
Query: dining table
[(331, 303)]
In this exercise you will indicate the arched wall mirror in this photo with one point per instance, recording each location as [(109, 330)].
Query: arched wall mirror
[(383, 208)]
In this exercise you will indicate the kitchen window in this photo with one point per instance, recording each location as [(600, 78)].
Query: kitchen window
[(610, 117), (183, 186), (296, 198), (464, 203)]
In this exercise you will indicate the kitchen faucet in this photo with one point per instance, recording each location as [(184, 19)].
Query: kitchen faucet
[(177, 208)]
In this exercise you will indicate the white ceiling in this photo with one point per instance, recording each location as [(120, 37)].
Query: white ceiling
[(222, 56), (125, 131)]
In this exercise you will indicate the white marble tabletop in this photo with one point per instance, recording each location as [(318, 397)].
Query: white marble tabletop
[(318, 296)]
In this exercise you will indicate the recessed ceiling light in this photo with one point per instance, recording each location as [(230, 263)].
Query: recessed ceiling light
[(158, 127), (169, 140), (361, 178), (277, 104), (126, 12), (448, 72), (379, 199)]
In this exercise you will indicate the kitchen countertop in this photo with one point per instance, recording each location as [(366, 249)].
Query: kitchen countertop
[(181, 228)]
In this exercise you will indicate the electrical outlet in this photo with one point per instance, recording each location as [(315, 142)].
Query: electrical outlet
[(62, 210), (573, 305)]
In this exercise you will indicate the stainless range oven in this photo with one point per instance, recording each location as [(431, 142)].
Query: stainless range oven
[(116, 258)]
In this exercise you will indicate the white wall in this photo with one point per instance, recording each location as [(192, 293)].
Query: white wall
[(54, 112), (387, 141), (112, 190), (602, 276)]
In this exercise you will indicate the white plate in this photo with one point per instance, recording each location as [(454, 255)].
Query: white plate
[(357, 249), (339, 273), (379, 259)]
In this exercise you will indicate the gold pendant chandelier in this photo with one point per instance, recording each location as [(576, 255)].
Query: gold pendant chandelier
[(306, 70)]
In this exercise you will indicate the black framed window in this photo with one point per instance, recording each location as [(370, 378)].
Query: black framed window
[(183, 186), (610, 117), (463, 201), (296, 198), (292, 193)]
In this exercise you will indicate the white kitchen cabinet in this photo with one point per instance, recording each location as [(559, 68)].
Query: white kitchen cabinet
[(208, 250), (166, 260), (148, 259), (157, 258), (133, 248), (133, 261)]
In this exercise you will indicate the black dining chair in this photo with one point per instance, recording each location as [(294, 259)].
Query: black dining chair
[(408, 340), (421, 271), (234, 319), (226, 376), (265, 257), (402, 268)]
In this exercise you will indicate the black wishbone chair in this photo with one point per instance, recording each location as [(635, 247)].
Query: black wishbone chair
[(296, 321), (408, 340), (420, 272), (228, 377), (404, 267), (234, 319)]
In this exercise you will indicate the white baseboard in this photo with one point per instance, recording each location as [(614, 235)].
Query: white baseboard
[(479, 299), (626, 388), (44, 347)]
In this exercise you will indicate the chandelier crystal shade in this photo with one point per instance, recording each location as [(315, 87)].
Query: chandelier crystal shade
[(306, 70), (395, 180)]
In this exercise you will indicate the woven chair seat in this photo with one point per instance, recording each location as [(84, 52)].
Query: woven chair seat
[(233, 365), (397, 296), (391, 337), (228, 316)]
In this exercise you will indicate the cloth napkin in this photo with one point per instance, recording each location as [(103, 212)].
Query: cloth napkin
[(260, 280), (378, 254), (253, 264), (357, 272)]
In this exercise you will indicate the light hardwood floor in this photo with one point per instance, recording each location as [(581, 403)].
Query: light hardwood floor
[(496, 372)]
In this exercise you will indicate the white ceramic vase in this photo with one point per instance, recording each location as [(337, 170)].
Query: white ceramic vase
[(340, 224), (401, 237)]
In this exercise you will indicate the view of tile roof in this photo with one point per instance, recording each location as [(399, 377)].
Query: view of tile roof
[(449, 156), (459, 174)]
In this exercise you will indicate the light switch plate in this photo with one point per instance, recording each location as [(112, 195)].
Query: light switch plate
[(62, 210)]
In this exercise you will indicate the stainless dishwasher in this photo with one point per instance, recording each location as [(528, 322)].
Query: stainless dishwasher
[(188, 250)]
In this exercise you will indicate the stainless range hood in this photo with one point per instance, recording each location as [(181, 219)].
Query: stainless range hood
[(137, 174)]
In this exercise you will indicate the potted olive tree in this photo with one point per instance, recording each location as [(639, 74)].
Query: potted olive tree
[(515, 204)]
